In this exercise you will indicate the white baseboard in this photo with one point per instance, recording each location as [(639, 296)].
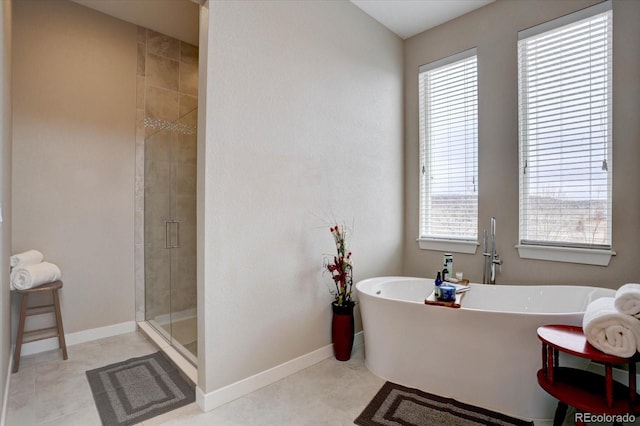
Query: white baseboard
[(218, 397), (78, 337), (5, 397)]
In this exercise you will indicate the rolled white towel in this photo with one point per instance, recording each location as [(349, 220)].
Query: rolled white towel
[(610, 331), (25, 277), (29, 257), (628, 299)]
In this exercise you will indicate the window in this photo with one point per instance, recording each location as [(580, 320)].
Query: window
[(565, 136), (448, 98)]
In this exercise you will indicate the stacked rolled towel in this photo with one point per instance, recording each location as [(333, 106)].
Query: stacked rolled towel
[(628, 299), (28, 276), (29, 257), (609, 330), (29, 270)]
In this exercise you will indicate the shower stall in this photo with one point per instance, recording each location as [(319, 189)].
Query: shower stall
[(170, 231)]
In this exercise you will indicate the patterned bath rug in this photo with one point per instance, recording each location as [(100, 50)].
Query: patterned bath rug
[(137, 389), (398, 405)]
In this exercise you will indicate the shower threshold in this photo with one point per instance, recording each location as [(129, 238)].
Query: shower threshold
[(179, 359)]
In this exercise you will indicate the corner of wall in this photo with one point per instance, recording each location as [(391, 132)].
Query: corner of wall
[(5, 397), (5, 200)]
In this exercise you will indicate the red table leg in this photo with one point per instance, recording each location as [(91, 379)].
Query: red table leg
[(632, 381), (550, 365), (608, 382), (561, 413)]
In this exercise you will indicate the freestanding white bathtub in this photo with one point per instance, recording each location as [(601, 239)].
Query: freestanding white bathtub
[(485, 353)]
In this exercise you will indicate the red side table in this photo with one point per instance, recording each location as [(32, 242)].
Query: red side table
[(586, 391)]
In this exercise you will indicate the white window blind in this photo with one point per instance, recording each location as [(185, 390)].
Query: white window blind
[(565, 131), (448, 98)]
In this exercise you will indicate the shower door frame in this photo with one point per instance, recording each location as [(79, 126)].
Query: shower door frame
[(174, 135)]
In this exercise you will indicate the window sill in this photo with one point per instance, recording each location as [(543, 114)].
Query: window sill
[(566, 254), (448, 246)]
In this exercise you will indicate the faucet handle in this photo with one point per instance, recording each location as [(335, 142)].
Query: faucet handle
[(498, 261)]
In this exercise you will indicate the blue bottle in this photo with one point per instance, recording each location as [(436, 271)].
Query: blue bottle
[(438, 283)]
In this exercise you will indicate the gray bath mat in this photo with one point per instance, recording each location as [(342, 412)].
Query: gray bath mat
[(137, 389), (398, 405)]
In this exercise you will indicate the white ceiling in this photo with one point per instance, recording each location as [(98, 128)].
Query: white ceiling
[(180, 18), (407, 18), (175, 18)]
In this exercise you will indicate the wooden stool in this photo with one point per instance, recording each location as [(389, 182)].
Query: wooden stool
[(26, 311)]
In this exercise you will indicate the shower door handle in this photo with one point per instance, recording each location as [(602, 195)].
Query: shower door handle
[(177, 245), (167, 234)]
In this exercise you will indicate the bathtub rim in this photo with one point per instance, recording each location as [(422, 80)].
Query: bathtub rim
[(389, 278)]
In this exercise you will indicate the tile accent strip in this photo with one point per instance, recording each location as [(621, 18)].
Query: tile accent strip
[(159, 124)]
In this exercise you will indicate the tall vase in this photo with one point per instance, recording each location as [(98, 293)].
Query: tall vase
[(342, 330)]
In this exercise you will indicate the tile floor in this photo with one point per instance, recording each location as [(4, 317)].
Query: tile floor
[(50, 391)]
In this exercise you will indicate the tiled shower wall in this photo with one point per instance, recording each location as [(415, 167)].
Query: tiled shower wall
[(166, 102)]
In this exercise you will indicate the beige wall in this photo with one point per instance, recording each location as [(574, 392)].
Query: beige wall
[(5, 191), (303, 125), (74, 91), (493, 29)]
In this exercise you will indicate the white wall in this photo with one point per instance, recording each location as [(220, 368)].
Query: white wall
[(74, 118), (493, 29), (304, 126), (5, 192)]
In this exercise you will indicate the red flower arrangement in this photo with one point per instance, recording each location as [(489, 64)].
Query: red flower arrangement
[(341, 268)]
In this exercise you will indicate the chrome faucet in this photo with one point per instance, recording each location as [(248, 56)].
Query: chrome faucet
[(491, 258)]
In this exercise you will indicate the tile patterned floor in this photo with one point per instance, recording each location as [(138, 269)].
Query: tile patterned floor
[(50, 391)]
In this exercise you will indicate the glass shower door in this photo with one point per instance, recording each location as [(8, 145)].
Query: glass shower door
[(170, 223), (182, 234)]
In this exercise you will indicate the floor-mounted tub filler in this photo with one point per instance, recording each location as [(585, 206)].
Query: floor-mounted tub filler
[(486, 353)]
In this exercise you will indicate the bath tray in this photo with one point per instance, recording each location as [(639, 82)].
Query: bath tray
[(431, 299), (440, 303)]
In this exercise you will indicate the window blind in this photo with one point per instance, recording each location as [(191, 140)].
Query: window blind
[(448, 98), (565, 130)]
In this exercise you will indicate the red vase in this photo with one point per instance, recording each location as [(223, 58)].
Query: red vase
[(342, 330)]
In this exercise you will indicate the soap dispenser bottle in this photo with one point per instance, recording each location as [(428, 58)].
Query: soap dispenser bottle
[(438, 283)]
